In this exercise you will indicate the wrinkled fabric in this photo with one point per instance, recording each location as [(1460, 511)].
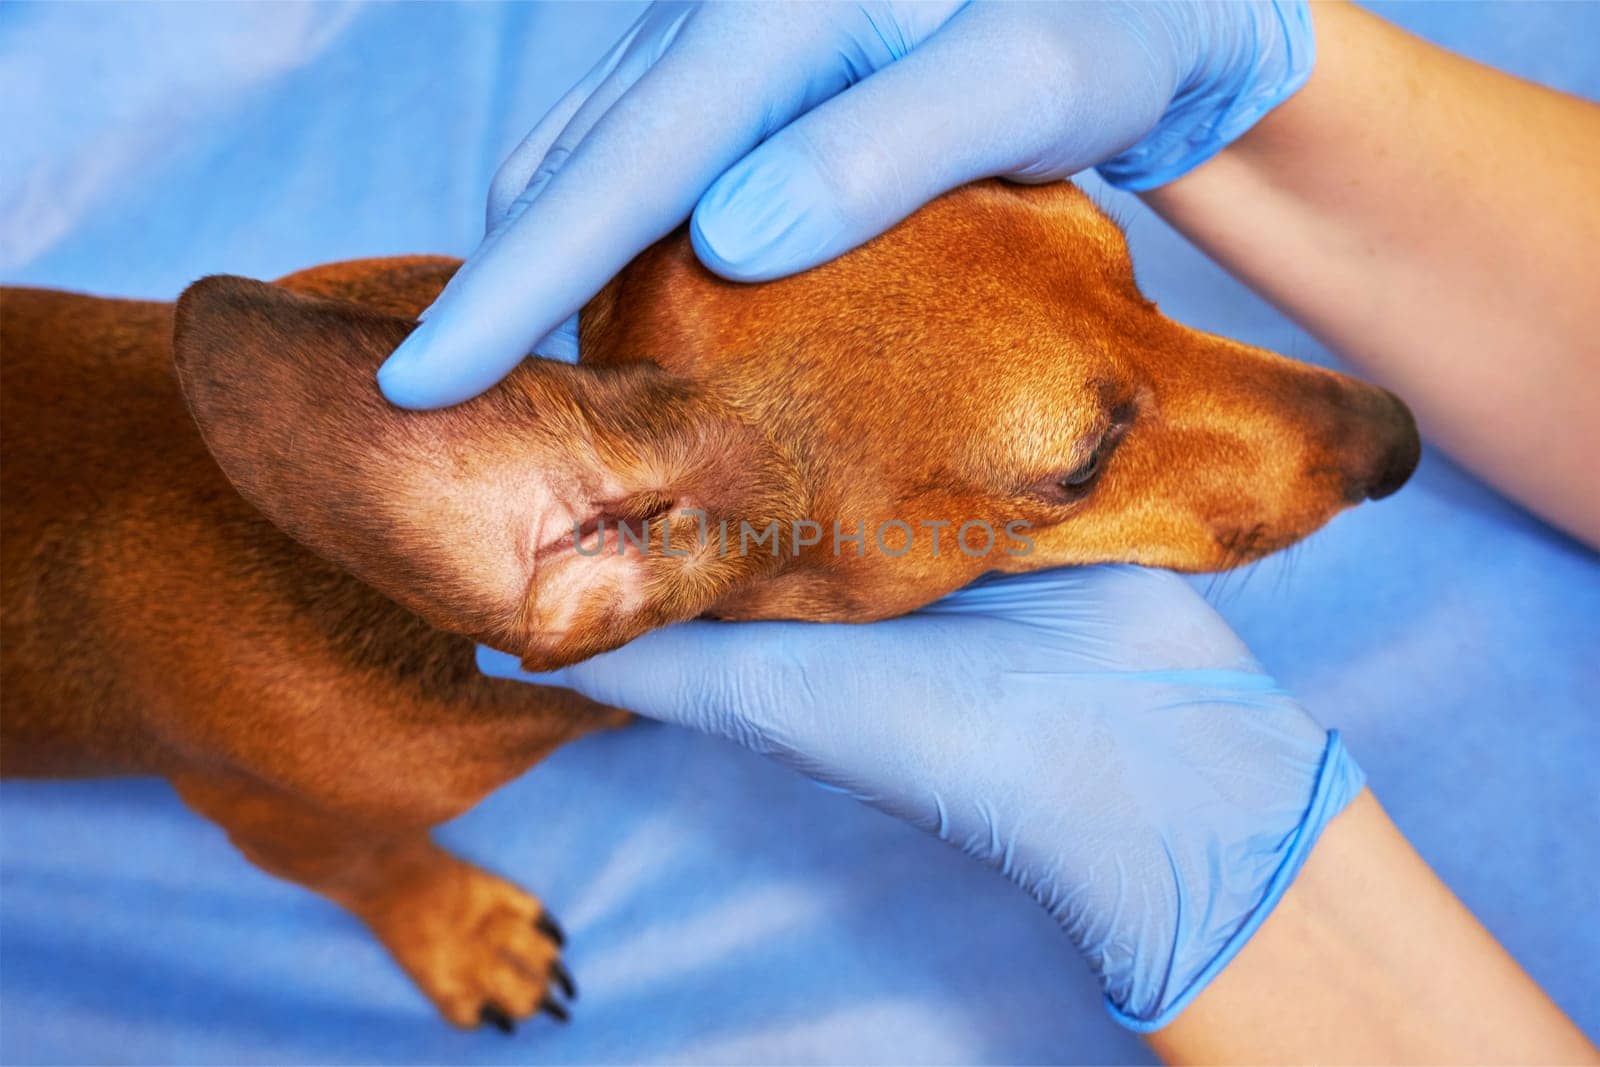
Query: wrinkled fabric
[(721, 909)]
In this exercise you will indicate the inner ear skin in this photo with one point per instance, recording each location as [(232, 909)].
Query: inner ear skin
[(442, 511), (720, 470)]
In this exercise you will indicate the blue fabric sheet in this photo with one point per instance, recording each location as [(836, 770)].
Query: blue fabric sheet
[(721, 909)]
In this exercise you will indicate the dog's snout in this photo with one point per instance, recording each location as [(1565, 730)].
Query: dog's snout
[(1399, 449)]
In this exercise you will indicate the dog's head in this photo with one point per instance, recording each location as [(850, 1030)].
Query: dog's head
[(982, 388)]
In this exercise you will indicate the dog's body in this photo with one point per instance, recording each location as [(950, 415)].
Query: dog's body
[(155, 623), (157, 618)]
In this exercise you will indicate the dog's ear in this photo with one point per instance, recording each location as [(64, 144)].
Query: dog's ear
[(446, 512)]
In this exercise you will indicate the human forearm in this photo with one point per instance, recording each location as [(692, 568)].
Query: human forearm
[(1370, 959), (1433, 221)]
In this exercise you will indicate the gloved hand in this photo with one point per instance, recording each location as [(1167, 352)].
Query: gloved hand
[(802, 130), (1097, 734)]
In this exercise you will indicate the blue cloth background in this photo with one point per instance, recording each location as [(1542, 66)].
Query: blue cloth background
[(721, 909)]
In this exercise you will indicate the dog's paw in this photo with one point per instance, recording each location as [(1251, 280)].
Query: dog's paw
[(485, 952)]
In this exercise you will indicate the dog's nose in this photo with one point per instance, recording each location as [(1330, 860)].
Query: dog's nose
[(1396, 471), (1398, 458)]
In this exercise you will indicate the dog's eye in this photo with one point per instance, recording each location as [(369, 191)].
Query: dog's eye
[(1084, 474), (1075, 484)]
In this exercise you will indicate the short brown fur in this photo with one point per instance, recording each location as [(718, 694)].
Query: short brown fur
[(277, 612)]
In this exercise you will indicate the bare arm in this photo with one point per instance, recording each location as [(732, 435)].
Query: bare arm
[(1370, 959), (1435, 222)]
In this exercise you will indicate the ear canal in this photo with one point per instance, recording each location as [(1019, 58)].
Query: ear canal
[(440, 510)]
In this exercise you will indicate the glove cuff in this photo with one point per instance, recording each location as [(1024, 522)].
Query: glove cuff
[(1338, 782), (1217, 105)]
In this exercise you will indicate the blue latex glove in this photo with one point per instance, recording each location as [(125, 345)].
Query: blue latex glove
[(1097, 734), (796, 132)]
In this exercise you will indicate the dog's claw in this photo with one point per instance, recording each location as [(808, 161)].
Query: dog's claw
[(563, 977), (496, 1016), (554, 1009), (547, 925)]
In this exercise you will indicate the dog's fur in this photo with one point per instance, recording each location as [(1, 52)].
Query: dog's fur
[(276, 612)]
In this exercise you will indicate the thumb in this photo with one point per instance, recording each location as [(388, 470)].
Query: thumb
[(1075, 87), (858, 163)]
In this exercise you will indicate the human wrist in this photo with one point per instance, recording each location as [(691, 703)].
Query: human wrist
[(1249, 871)]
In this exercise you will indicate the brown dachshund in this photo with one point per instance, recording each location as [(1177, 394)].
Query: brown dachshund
[(276, 612)]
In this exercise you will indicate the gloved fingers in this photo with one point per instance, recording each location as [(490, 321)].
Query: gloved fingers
[(860, 161), (541, 154), (561, 343), (517, 170), (731, 76), (855, 707), (992, 92), (745, 682), (718, 678), (528, 169), (1136, 623), (624, 186), (1110, 617)]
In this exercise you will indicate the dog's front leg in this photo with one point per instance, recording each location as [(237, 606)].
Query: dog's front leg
[(483, 950)]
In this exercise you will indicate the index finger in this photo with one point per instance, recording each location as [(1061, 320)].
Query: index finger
[(729, 78)]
